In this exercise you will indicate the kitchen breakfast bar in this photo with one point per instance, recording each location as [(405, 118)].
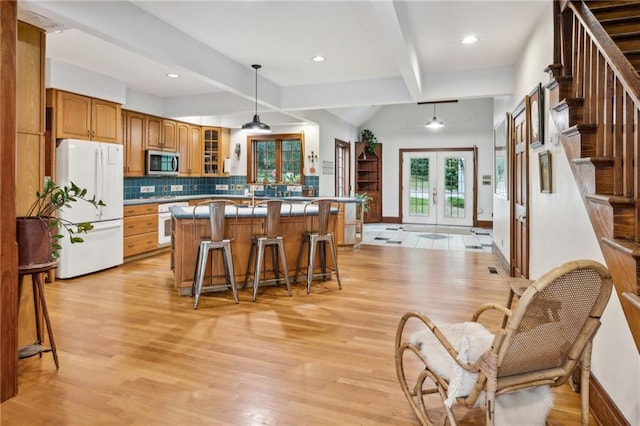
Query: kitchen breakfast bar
[(190, 224)]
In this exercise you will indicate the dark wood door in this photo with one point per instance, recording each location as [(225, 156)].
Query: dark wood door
[(519, 200)]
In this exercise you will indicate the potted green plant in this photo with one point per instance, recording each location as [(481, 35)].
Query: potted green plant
[(37, 232), (370, 141), (363, 199)]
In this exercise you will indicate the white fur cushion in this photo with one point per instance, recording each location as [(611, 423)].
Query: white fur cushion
[(527, 407), (470, 339)]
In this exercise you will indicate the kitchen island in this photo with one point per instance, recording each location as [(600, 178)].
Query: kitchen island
[(187, 231)]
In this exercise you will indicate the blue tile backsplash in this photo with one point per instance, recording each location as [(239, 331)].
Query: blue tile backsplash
[(203, 185)]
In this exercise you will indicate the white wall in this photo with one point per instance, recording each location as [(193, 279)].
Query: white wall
[(468, 123), (560, 231), (239, 166), (330, 129), (63, 76)]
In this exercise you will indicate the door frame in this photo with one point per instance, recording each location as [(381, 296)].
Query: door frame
[(517, 192), (347, 165), (474, 149)]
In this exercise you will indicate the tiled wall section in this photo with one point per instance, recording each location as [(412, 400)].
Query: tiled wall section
[(232, 185)]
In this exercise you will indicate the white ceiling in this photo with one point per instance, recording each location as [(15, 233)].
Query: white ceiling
[(378, 52)]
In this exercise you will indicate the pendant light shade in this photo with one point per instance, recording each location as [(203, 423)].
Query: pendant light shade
[(255, 125), (434, 123)]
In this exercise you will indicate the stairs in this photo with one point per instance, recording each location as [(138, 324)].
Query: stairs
[(621, 20), (594, 92)]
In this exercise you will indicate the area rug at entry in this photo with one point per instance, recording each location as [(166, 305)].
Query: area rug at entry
[(437, 229)]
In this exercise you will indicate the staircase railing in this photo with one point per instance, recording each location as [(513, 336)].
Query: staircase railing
[(597, 94)]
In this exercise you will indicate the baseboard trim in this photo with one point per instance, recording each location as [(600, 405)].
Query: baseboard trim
[(390, 219), (604, 410), (504, 263), (487, 224)]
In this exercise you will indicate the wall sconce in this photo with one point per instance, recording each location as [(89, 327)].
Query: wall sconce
[(238, 150), (312, 157)]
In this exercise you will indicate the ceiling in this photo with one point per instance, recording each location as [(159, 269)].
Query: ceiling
[(379, 52)]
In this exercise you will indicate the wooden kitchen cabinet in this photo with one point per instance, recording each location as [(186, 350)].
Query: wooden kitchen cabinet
[(154, 133), (190, 149), (215, 149), (31, 151), (83, 117), (134, 138), (169, 135), (140, 229), (195, 150), (162, 134)]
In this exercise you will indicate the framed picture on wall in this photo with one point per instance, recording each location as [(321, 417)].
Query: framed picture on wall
[(544, 158), (501, 157), (536, 117)]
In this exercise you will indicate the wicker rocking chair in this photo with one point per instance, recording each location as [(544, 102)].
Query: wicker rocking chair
[(547, 335)]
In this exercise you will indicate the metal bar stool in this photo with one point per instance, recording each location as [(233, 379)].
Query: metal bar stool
[(217, 211), (318, 233), (271, 237)]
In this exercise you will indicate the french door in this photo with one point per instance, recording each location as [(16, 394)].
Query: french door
[(437, 187)]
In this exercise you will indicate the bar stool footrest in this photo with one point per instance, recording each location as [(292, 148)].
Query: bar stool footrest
[(30, 350)]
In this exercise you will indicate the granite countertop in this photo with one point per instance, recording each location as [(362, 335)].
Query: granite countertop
[(202, 212), (171, 199)]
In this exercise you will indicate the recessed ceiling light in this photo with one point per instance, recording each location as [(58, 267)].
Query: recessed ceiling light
[(318, 58), (470, 39), (173, 75)]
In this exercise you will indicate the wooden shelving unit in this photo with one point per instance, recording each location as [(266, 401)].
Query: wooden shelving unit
[(368, 179)]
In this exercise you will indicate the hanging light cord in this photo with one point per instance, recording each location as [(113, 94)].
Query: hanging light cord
[(255, 67)]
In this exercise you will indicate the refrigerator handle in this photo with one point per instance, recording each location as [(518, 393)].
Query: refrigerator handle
[(99, 178)]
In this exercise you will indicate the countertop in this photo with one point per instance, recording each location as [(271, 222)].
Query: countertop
[(202, 212), (173, 199)]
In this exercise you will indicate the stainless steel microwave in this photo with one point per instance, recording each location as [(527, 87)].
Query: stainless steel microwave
[(162, 163)]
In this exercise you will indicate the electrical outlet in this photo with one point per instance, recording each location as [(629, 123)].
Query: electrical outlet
[(195, 187), (176, 188), (258, 187), (222, 187), (294, 188), (147, 189)]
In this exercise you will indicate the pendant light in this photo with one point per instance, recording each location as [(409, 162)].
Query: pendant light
[(434, 123), (255, 125)]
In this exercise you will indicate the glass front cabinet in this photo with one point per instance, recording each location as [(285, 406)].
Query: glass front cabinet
[(215, 144)]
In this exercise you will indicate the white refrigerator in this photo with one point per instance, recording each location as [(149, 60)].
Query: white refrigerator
[(96, 166)]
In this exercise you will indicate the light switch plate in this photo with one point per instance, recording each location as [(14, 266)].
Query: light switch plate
[(176, 188), (294, 188), (222, 187), (147, 189)]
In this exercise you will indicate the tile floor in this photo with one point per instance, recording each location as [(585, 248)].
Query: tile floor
[(479, 239)]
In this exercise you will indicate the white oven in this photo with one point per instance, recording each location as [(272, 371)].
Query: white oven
[(164, 221)]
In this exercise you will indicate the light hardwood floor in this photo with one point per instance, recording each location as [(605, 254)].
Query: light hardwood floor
[(133, 352)]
